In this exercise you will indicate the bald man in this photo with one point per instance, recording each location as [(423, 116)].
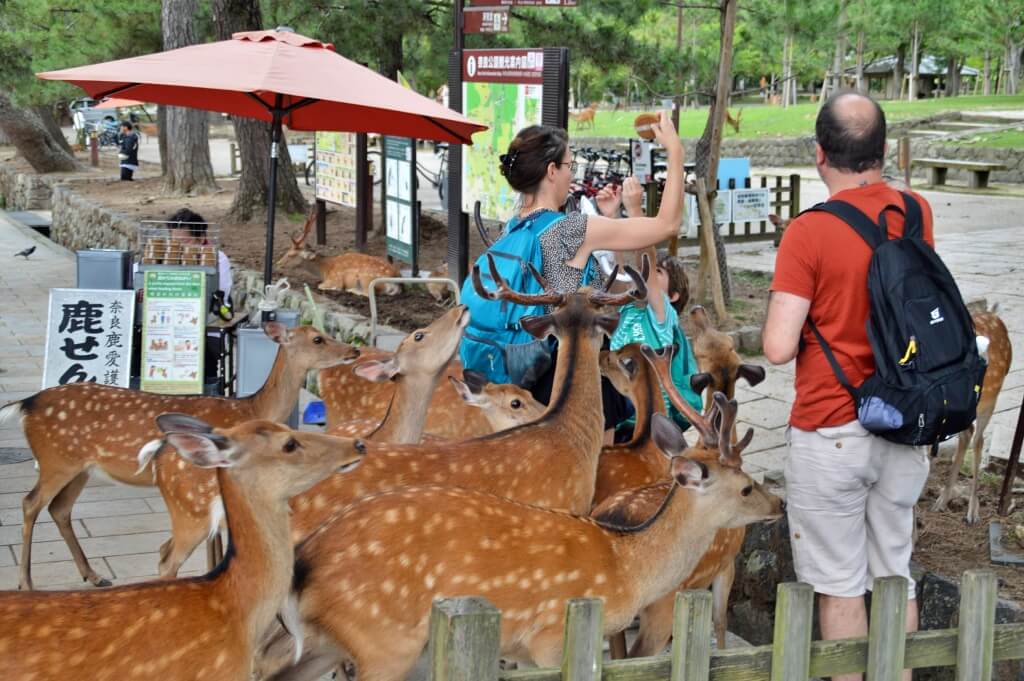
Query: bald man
[(850, 494)]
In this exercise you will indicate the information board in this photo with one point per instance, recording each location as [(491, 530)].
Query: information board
[(173, 331), (335, 154), (400, 194), (502, 89), (89, 337), (486, 20), (642, 158), (751, 205)]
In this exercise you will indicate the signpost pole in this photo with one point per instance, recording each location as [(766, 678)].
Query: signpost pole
[(458, 222), (363, 207)]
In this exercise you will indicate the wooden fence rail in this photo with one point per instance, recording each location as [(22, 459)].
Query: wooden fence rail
[(464, 643)]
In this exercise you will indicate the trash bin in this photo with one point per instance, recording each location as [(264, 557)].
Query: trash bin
[(256, 355), (104, 268)]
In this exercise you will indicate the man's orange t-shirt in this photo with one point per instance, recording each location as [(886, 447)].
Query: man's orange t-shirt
[(823, 259)]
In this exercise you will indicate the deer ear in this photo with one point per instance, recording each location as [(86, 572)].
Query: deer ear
[(688, 473), (630, 366), (474, 380), (203, 450), (174, 422), (698, 382), (278, 332), (667, 435), (465, 392), (608, 323), (752, 373), (539, 326), (376, 371)]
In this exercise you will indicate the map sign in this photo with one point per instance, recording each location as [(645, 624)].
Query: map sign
[(174, 331), (336, 167), (503, 89)]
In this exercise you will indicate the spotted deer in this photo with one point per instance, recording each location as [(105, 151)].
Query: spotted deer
[(585, 117), (520, 463), (367, 579), (199, 628), (415, 369), (350, 271), (74, 429), (503, 404), (1000, 357)]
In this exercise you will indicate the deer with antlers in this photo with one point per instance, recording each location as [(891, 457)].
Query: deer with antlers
[(1000, 356), (350, 271), (372, 604), (519, 463), (75, 428), (200, 628)]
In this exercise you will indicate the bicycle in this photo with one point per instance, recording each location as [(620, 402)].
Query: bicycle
[(438, 180)]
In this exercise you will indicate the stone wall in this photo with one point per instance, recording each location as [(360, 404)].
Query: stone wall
[(24, 191), (80, 223)]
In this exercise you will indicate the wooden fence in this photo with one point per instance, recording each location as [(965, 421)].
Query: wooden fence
[(785, 202), (464, 641)]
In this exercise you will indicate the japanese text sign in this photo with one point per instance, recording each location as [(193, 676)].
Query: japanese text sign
[(89, 337)]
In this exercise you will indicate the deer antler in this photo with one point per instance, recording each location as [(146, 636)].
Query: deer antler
[(661, 361), (305, 228), (729, 454), (504, 292), (638, 292)]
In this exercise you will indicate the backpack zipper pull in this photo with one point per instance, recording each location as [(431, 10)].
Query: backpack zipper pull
[(911, 351)]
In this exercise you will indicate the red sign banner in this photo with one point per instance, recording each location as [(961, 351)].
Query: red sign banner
[(503, 66), (522, 3), (486, 20)]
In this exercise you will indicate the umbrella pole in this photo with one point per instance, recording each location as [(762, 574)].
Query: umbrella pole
[(275, 138)]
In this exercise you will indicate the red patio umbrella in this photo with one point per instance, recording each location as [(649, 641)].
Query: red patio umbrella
[(276, 76), (117, 103)]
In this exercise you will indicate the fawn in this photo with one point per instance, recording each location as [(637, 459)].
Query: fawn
[(191, 629), (367, 579), (349, 271), (1000, 357), (503, 404), (75, 428), (521, 463)]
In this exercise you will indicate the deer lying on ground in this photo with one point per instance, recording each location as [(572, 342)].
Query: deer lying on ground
[(350, 271), (520, 463), (75, 428), (200, 628), (1000, 357), (372, 604), (440, 292), (585, 116)]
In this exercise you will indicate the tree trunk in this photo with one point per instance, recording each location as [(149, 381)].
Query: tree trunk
[(709, 146), (680, 74), (861, 86), (950, 76), (34, 142), (897, 74), (49, 121), (161, 137), (914, 64), (1013, 66), (987, 74), (189, 170), (253, 136), (839, 57)]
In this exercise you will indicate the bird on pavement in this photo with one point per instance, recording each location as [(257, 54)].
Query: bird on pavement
[(25, 253)]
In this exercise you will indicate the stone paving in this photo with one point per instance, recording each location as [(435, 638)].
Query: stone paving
[(121, 527)]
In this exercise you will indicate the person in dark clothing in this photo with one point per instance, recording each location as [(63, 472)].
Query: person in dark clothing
[(129, 151)]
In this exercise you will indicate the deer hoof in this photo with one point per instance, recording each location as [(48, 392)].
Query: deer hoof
[(98, 581), (940, 504), (973, 513)]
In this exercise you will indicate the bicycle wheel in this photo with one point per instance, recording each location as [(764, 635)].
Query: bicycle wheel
[(442, 186)]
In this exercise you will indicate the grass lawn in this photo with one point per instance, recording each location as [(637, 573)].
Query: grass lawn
[(760, 120), (1007, 139)]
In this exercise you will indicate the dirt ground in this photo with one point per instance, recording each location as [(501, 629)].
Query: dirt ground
[(949, 546), (244, 244)]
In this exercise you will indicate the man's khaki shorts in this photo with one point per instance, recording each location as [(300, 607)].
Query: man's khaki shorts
[(850, 500)]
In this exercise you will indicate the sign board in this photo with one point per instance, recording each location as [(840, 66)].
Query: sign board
[(486, 20), (336, 167), (523, 3), (89, 337), (173, 331), (400, 195), (751, 205), (502, 89), (642, 157), (722, 208)]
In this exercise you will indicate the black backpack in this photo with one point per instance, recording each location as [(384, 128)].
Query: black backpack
[(928, 372)]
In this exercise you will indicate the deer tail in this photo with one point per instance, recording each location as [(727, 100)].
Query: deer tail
[(11, 411)]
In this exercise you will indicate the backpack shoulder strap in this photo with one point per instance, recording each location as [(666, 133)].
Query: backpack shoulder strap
[(836, 369), (855, 218), (913, 222)]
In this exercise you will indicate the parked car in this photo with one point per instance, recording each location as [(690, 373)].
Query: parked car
[(84, 115)]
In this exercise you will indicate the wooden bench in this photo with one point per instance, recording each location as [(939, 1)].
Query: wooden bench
[(938, 168)]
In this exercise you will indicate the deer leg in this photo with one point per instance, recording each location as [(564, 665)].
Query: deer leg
[(617, 645), (187, 532), (45, 490), (60, 510), (655, 627), (720, 589), (954, 471), (973, 512)]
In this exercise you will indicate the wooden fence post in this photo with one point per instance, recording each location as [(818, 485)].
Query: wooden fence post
[(794, 195), (465, 638), (887, 639), (583, 645), (791, 641), (977, 626), (691, 637)]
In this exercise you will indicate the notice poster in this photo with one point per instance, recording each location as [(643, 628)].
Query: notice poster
[(174, 332), (88, 337), (336, 167), (751, 205), (400, 193), (502, 89)]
